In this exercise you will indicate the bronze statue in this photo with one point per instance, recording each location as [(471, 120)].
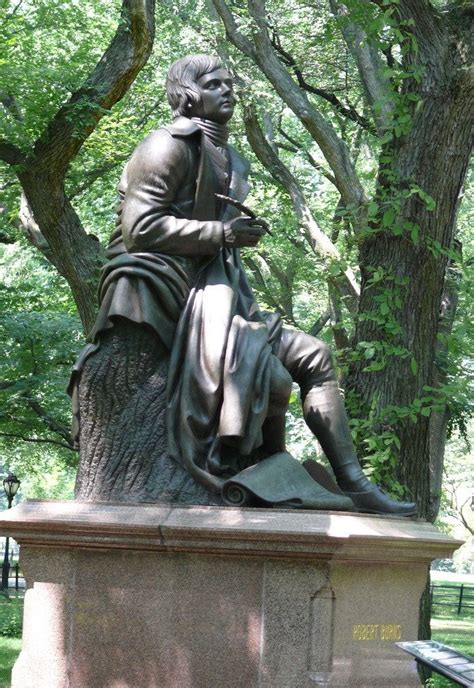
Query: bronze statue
[(175, 279)]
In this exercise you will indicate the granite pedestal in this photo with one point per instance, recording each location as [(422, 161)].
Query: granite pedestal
[(155, 596)]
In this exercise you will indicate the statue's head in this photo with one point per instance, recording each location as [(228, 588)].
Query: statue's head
[(199, 86)]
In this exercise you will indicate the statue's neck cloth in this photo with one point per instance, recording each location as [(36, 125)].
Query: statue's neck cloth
[(218, 133)]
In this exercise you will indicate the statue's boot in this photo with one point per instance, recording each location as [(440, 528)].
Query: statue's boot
[(326, 417)]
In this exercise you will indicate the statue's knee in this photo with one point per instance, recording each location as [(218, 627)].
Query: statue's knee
[(317, 368), (321, 358), (281, 386)]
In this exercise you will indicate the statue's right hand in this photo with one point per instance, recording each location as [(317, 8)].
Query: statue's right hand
[(243, 231)]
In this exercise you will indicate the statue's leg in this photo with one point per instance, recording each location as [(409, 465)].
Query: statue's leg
[(309, 361), (273, 431)]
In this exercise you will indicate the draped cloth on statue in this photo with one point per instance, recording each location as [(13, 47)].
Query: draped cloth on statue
[(223, 377)]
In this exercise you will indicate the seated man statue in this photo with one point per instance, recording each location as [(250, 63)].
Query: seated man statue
[(181, 345)]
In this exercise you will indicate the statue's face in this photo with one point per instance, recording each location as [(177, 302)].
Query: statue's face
[(217, 97)]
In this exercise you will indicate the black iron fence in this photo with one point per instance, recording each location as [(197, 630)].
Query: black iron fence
[(15, 576), (458, 596)]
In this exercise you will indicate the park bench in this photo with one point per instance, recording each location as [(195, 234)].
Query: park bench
[(443, 659)]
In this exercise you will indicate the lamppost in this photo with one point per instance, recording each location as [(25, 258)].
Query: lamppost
[(10, 485)]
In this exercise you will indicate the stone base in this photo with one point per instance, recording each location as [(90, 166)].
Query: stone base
[(142, 596)]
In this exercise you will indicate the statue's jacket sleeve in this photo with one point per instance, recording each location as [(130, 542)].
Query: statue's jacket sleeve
[(159, 244), (169, 269)]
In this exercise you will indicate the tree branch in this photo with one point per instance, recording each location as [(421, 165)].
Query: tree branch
[(297, 147), (268, 293), (318, 239), (285, 279), (452, 487), (464, 520), (10, 154), (238, 39), (348, 111), (261, 52), (106, 85), (76, 254), (37, 440), (12, 13), (49, 421), (316, 328), (88, 178), (33, 233), (9, 103), (6, 384), (369, 65), (341, 338)]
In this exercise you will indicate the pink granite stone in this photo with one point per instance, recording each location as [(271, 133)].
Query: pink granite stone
[(143, 596)]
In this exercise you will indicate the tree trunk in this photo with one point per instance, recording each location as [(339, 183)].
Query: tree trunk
[(77, 255), (432, 159), (43, 169), (122, 411), (439, 419)]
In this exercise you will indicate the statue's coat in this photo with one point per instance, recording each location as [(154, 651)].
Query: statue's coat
[(169, 270)]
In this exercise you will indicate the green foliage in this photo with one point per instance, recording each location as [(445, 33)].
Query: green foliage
[(378, 449), (48, 48), (40, 337), (11, 617)]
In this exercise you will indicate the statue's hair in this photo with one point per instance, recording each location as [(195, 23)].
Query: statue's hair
[(181, 81)]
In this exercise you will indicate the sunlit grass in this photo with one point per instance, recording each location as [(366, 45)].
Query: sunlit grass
[(9, 651), (456, 632), (11, 612)]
